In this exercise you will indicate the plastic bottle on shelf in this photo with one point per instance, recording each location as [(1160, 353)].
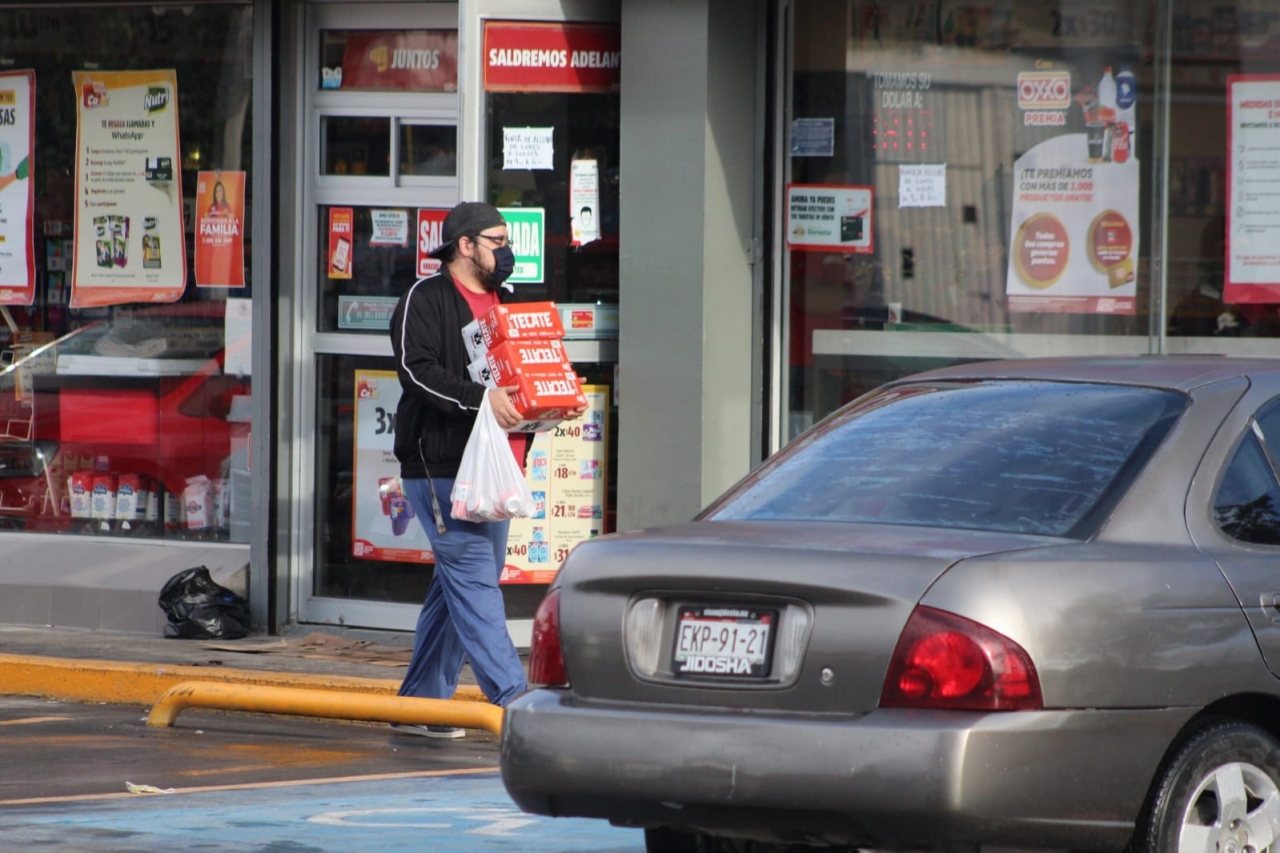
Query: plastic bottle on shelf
[(1107, 93), (1107, 110), (1127, 106)]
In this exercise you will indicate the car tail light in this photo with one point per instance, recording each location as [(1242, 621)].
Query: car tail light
[(946, 661), (546, 660)]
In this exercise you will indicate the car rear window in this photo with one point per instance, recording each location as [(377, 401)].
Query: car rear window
[(1046, 458)]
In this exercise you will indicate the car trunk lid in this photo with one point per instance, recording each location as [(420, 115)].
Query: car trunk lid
[(839, 594)]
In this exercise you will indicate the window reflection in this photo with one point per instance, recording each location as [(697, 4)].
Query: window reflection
[(1247, 506), (1023, 457), (355, 145), (1212, 46), (428, 150), (880, 92), (130, 420), (380, 264)]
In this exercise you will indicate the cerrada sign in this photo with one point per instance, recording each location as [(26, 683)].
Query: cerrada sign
[(527, 229), (546, 57)]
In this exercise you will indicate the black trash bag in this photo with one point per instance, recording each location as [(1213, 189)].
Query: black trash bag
[(199, 608)]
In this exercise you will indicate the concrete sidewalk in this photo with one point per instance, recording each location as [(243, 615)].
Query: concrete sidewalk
[(96, 666)]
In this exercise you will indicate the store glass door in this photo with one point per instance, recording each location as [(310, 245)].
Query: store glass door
[(381, 170), (551, 145)]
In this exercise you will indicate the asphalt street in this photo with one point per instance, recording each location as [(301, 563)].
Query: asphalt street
[(238, 782)]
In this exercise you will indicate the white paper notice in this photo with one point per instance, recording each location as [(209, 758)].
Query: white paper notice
[(390, 227), (584, 201), (922, 185), (527, 148), (830, 218), (238, 334), (1253, 189)]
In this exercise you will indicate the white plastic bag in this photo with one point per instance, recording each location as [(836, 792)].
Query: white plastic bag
[(490, 485)]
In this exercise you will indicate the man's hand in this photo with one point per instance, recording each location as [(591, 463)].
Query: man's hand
[(503, 410), (574, 414)]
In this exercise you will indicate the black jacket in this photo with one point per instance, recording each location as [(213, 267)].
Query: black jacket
[(438, 399)]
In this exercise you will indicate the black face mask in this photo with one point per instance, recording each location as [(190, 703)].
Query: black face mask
[(504, 263)]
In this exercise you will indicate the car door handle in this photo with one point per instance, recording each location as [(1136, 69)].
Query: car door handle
[(1271, 604)]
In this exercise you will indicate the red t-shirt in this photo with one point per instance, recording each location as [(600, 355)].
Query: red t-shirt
[(480, 303)]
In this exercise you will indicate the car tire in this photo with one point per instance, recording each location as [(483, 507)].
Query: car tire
[(1215, 788)]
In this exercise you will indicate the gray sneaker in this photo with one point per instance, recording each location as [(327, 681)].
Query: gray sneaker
[(442, 732)]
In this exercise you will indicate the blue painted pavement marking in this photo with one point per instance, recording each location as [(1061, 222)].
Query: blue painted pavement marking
[(441, 814)]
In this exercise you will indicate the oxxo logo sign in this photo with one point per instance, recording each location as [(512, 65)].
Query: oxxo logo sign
[(1044, 90)]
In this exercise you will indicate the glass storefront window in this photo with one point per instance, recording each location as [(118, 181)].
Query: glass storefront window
[(963, 185), (366, 547), (355, 146), (127, 418), (360, 283), (429, 150), (583, 127), (1223, 282)]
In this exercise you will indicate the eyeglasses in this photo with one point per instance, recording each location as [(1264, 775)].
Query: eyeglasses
[(498, 240)]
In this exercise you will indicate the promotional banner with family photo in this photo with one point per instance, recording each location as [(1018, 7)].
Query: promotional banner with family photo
[(1074, 232), (219, 229), (129, 242)]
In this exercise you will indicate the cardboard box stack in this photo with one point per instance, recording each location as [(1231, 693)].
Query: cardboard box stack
[(521, 345)]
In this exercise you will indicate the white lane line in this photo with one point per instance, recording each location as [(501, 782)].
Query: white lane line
[(253, 786), (26, 721)]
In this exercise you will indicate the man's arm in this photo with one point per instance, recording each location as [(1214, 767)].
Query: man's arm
[(417, 343)]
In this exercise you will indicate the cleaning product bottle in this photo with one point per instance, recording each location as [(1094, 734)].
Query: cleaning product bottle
[(1107, 94), (1107, 110), (1127, 107)]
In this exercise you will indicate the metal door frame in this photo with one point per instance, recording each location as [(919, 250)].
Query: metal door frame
[(314, 191)]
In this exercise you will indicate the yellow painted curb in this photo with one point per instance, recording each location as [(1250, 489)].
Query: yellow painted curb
[(85, 680), (327, 704)]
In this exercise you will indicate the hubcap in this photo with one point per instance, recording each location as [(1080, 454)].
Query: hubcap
[(1235, 809)]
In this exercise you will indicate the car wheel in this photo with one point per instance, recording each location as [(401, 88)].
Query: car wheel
[(1220, 791)]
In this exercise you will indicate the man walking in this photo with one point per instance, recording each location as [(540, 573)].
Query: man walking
[(463, 617)]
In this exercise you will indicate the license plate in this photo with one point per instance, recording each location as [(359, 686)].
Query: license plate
[(724, 641)]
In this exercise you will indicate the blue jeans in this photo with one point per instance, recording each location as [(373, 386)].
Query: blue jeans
[(464, 617)]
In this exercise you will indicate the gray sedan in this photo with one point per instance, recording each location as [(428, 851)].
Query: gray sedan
[(1018, 604)]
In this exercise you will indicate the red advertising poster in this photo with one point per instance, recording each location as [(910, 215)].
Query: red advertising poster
[(219, 230), (539, 57), (341, 235), (430, 232), (406, 61), (17, 187)]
